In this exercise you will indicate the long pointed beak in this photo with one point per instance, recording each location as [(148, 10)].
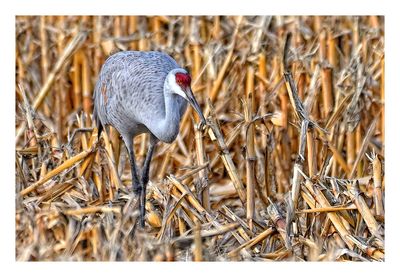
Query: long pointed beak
[(195, 105)]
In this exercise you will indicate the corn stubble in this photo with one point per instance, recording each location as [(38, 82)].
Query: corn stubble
[(289, 168)]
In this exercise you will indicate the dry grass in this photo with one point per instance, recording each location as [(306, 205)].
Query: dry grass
[(289, 167)]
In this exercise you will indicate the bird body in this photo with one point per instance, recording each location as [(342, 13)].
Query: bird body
[(142, 92), (129, 95)]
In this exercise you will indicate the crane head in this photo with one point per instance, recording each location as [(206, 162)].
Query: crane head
[(181, 80)]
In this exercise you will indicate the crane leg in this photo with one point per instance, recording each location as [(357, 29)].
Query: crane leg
[(145, 177), (146, 163), (135, 177), (136, 183)]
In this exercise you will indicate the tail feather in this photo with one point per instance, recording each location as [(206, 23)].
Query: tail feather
[(99, 125), (99, 130)]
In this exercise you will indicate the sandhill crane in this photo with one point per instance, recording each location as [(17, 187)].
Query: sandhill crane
[(142, 92)]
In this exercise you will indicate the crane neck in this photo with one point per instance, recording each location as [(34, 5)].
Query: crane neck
[(167, 128)]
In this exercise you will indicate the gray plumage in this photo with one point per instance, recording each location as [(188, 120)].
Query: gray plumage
[(129, 93), (136, 92)]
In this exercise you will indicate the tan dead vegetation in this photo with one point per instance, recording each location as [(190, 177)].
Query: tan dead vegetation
[(289, 168)]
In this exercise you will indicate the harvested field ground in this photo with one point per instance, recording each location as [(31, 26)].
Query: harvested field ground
[(290, 166)]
